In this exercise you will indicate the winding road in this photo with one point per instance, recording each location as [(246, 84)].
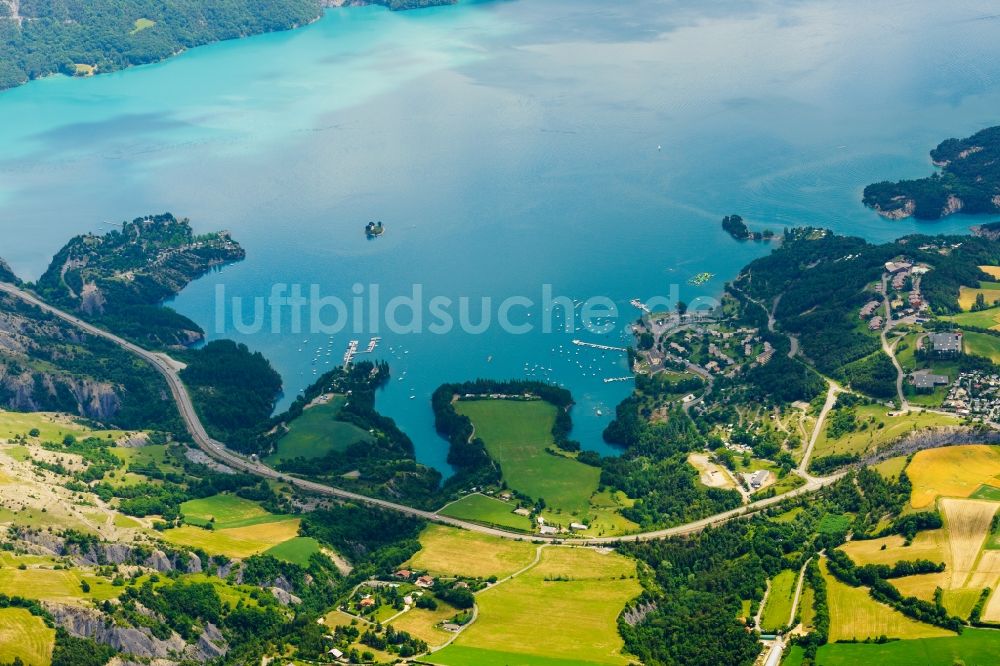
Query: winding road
[(170, 369)]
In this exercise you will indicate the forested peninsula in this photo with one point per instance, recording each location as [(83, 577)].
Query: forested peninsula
[(969, 182), (43, 37)]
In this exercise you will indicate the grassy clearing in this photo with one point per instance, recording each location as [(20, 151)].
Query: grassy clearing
[(779, 601), (562, 611), (318, 432), (928, 545), (238, 542), (423, 624), (142, 24), (52, 427), (297, 550), (517, 434), (449, 551), (981, 344), (483, 509), (952, 471), (24, 636), (855, 615), (892, 467), (226, 511), (975, 647), (873, 436)]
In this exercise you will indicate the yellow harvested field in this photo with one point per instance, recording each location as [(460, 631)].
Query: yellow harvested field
[(953, 471), (238, 542), (968, 524), (710, 474), (992, 611), (922, 586), (992, 271), (855, 615), (423, 624), (928, 545), (450, 551), (24, 636)]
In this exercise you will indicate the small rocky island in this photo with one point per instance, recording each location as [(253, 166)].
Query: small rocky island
[(968, 182), (738, 229)]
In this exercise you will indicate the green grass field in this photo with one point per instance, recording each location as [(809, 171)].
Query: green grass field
[(779, 601), (142, 24), (985, 492), (317, 432), (297, 550), (981, 344), (228, 511), (873, 436), (516, 434), (975, 647), (983, 319), (24, 636), (449, 551), (562, 611), (892, 467), (483, 509)]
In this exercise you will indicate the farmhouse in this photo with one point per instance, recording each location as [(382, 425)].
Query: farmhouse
[(521, 511), (367, 602), (425, 582), (578, 527), (335, 653), (548, 529), (403, 574)]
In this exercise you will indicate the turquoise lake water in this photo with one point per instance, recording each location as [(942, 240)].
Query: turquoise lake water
[(590, 145)]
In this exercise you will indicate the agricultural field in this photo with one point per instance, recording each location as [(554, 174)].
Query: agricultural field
[(967, 295), (25, 637), (855, 615), (562, 611), (952, 471), (482, 509), (238, 542), (41, 581), (297, 551), (975, 647), (517, 434), (989, 319), (982, 344), (226, 511), (317, 432), (449, 551), (779, 601), (968, 525), (873, 436)]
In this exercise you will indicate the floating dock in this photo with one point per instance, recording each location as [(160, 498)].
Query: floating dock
[(635, 302), (594, 345), (352, 350), (608, 380)]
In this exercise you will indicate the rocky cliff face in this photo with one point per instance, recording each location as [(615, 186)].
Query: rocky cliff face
[(137, 642)]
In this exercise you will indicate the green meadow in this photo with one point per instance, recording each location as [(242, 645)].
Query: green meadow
[(483, 509), (517, 434), (297, 550), (25, 637), (226, 511), (317, 432), (779, 601), (975, 647)]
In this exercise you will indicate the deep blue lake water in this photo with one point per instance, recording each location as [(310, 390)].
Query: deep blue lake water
[(585, 144)]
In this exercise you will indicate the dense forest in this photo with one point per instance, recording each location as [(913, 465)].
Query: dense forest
[(119, 280), (81, 37), (969, 182)]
